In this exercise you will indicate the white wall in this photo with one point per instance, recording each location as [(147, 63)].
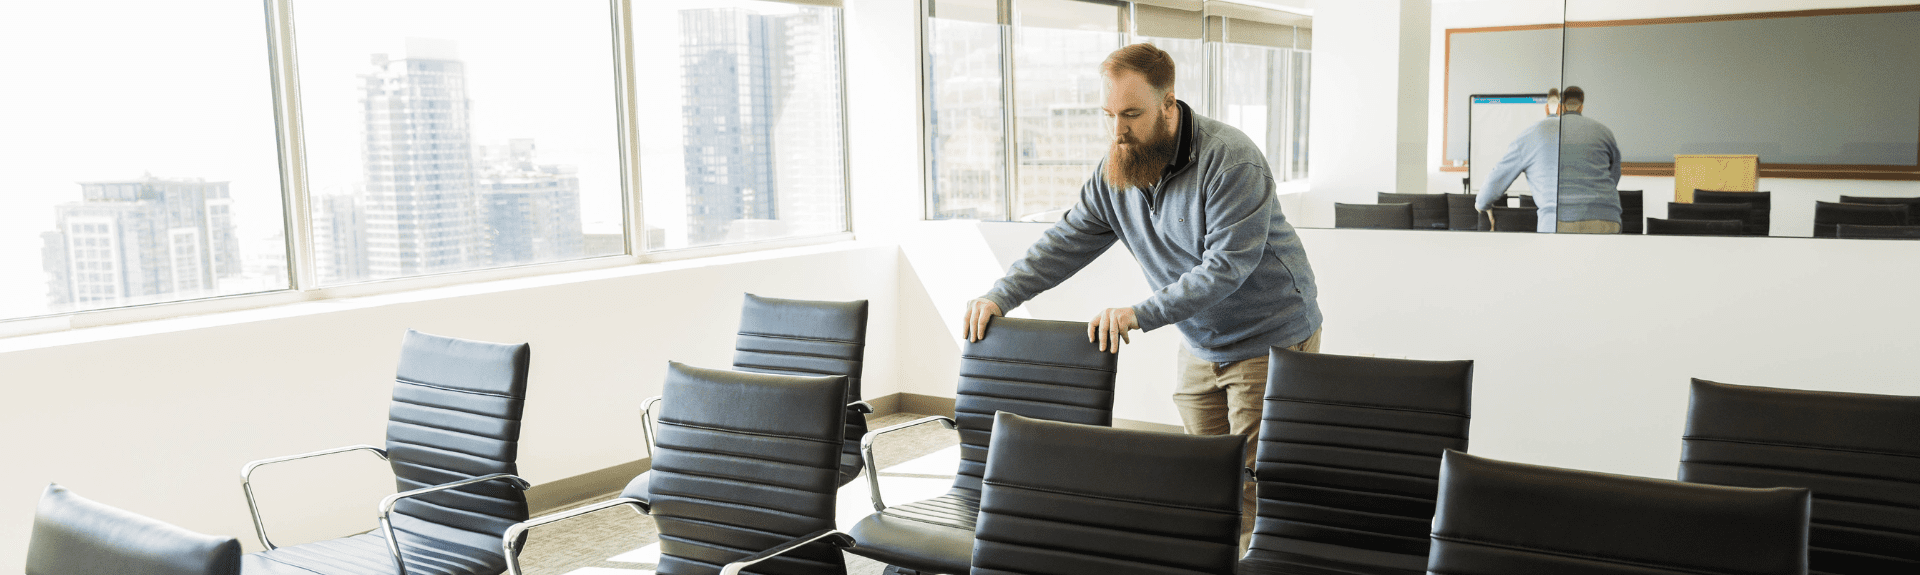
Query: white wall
[(157, 418), (1369, 115)]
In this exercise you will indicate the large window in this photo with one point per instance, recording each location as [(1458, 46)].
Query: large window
[(138, 159), (159, 152), (1037, 62)]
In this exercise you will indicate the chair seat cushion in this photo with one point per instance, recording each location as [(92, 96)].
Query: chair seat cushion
[(1311, 558), (934, 535), (367, 554)]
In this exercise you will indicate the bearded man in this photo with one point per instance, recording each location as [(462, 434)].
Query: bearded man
[(1194, 200)]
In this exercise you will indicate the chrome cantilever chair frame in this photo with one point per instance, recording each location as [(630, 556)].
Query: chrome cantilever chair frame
[(866, 452), (832, 536), (647, 423), (386, 504), (514, 538)]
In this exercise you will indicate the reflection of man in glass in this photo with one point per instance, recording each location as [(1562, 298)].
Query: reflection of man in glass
[(1194, 200), (1573, 165)]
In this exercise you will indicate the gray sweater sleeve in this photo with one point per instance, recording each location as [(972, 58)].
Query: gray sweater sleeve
[(1519, 156), (1075, 241), (1240, 208)]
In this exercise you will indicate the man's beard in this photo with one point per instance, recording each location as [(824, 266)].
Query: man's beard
[(1140, 164)]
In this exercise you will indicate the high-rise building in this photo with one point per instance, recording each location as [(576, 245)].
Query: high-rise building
[(340, 238), (763, 124), (136, 241), (529, 212), (421, 212)]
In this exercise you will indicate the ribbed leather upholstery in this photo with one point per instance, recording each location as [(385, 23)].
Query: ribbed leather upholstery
[(1522, 219), (76, 536), (1758, 222), (1036, 368), (1860, 454), (1828, 214), (1429, 210), (796, 337), (1856, 231), (455, 415), (1912, 204), (1349, 461), (1502, 518), (1375, 216), (1665, 227), (1068, 499), (743, 463)]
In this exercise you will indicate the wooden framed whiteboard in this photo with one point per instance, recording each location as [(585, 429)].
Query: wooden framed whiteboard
[(1723, 172)]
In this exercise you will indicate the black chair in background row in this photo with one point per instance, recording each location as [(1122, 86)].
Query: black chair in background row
[(452, 437), (1853, 231), (1663, 227), (1034, 368), (1859, 453), (1349, 459), (798, 337), (1373, 216), (1514, 219), (1912, 204), (1826, 215), (1502, 518), (745, 462), (1461, 214), (1711, 212), (1429, 210), (1633, 211), (1759, 221)]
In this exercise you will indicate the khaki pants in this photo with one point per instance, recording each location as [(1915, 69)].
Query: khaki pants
[(1217, 400), (1588, 227)]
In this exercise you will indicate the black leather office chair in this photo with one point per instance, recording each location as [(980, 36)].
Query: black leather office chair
[(1711, 212), (453, 431), (1349, 461), (1860, 453), (1852, 231), (1633, 211), (798, 337), (1462, 216), (1826, 215), (1068, 499), (1429, 210), (1502, 518), (1664, 227), (1373, 216), (1036, 368), (1912, 204), (744, 463), (1514, 219), (1758, 222), (453, 434), (76, 536)]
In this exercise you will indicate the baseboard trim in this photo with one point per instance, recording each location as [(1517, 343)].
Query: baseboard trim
[(570, 492)]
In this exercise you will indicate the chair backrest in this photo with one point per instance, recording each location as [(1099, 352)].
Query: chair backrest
[(1860, 453), (744, 462), (1461, 214), (1663, 227), (1514, 219), (1526, 201), (1373, 216), (1680, 211), (1349, 453), (1429, 210), (1067, 499), (797, 337), (456, 415), (1633, 211), (76, 536), (1037, 368), (1504, 518), (1855, 231), (1912, 204), (1759, 222), (1828, 214)]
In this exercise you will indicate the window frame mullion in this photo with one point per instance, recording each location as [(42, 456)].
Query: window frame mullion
[(295, 197)]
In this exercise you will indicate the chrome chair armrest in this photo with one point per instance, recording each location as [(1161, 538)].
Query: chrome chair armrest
[(836, 538), (861, 406), (246, 481), (866, 452), (386, 507), (514, 538), (646, 423)]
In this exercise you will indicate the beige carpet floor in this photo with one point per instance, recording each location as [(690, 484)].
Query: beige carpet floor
[(618, 541)]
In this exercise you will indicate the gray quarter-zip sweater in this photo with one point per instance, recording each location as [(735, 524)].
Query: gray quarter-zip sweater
[(1225, 265)]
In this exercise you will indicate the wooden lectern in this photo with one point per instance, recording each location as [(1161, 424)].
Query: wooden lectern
[(1720, 172)]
